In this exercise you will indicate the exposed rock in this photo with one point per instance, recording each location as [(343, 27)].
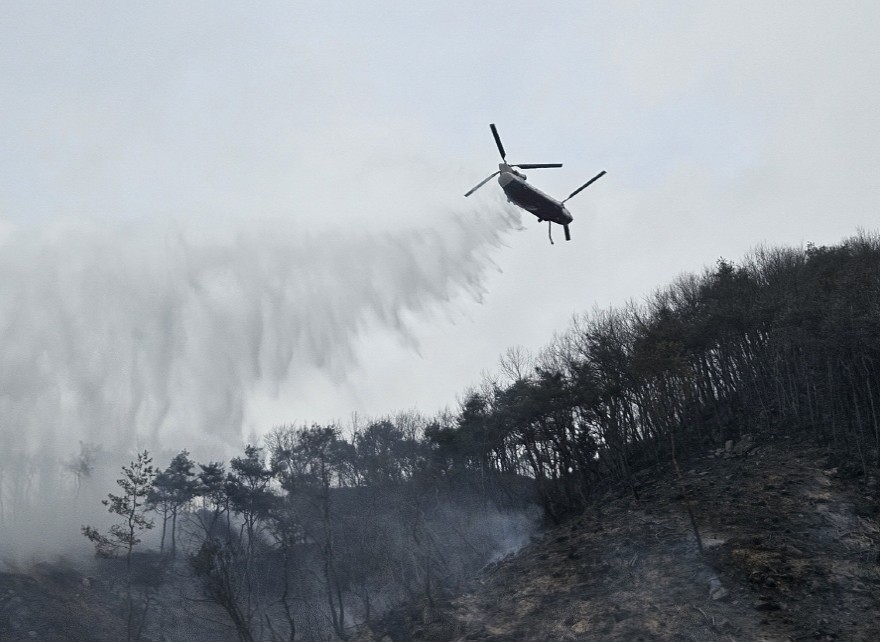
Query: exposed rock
[(744, 446), (717, 590)]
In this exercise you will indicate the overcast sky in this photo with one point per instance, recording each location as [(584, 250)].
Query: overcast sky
[(331, 143)]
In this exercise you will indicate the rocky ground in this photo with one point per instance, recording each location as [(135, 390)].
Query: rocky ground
[(63, 601), (788, 550), (55, 602), (789, 536)]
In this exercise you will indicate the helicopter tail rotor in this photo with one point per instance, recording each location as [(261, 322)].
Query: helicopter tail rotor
[(520, 165), (498, 142), (587, 184), (506, 167), (483, 182), (537, 165)]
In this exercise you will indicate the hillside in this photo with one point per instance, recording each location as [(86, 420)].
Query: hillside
[(790, 536), (760, 380)]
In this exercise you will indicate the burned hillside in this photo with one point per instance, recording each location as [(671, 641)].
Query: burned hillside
[(719, 440), (790, 536)]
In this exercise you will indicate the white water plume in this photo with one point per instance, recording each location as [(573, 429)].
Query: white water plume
[(134, 337)]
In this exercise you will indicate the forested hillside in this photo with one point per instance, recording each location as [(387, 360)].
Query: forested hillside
[(786, 341), (316, 532)]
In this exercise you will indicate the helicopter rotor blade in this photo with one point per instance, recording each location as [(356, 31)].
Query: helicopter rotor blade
[(567, 233), (536, 165), (498, 142), (483, 182), (587, 184)]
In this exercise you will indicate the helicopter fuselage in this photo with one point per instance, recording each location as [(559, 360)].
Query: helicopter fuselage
[(530, 198)]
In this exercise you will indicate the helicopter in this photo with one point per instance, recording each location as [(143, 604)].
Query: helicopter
[(528, 197)]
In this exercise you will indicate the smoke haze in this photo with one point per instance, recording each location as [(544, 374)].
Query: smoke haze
[(137, 336)]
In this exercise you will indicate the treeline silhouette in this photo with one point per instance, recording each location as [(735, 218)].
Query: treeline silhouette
[(787, 342), (311, 535), (315, 532)]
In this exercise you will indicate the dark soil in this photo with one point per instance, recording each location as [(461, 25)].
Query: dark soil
[(57, 603), (790, 537), (790, 542)]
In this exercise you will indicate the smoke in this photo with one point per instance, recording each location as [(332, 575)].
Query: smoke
[(118, 338)]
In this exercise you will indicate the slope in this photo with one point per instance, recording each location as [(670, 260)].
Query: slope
[(790, 540)]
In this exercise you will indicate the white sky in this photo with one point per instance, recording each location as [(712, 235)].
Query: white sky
[(722, 125)]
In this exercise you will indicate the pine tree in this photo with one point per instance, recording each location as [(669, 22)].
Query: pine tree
[(136, 483), (173, 488)]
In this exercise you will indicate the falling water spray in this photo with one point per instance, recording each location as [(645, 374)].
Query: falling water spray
[(119, 338)]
